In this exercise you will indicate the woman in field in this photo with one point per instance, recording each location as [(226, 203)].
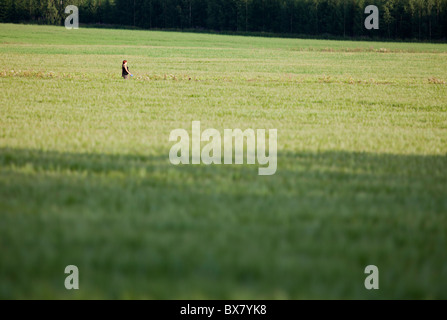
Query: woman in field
[(125, 70)]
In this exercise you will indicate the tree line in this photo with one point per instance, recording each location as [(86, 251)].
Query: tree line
[(399, 19)]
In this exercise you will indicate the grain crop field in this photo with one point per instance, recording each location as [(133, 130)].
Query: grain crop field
[(85, 176)]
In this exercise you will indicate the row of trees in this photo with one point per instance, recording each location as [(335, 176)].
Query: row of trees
[(404, 19)]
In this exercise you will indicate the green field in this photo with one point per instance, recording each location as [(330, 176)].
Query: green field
[(85, 177)]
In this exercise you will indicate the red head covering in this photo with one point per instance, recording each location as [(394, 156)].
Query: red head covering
[(124, 61)]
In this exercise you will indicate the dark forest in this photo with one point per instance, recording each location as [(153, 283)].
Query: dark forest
[(399, 19)]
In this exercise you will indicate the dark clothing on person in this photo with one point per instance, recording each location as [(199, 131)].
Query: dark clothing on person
[(124, 72)]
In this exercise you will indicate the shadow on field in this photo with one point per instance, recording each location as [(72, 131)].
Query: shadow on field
[(139, 227)]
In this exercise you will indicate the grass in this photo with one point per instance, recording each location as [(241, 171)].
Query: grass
[(85, 177)]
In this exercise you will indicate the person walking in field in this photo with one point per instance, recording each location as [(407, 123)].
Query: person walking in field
[(125, 70)]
